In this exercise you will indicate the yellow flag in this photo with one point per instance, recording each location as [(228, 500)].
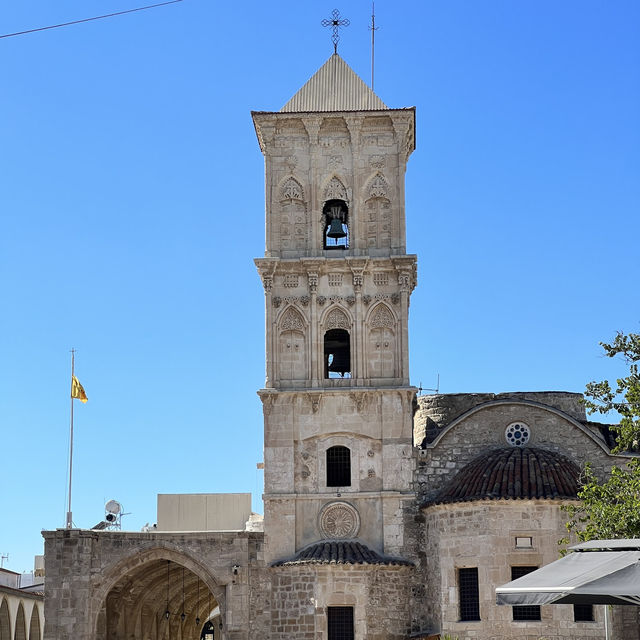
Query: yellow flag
[(77, 390)]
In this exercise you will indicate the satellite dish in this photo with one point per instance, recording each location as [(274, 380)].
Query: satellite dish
[(113, 506)]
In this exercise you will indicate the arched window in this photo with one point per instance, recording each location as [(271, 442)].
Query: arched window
[(337, 354), (338, 467), (335, 215)]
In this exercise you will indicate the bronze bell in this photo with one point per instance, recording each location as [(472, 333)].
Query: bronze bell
[(335, 229)]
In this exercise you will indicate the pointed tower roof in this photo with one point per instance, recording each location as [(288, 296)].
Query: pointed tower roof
[(335, 86)]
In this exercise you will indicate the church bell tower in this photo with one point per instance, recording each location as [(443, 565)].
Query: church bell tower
[(337, 401)]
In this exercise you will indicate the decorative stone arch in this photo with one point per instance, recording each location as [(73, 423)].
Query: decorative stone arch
[(382, 344), (334, 188), (292, 221), (20, 632), (377, 186), (5, 620), (35, 625), (124, 567), (525, 403), (292, 345), (290, 188), (378, 215), (336, 317)]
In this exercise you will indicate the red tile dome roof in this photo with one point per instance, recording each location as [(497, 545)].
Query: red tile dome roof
[(513, 473)]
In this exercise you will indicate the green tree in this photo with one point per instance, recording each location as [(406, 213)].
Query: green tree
[(611, 508)]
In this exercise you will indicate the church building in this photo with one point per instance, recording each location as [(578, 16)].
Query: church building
[(387, 515)]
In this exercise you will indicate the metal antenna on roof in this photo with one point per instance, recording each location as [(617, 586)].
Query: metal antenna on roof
[(336, 22), (373, 30)]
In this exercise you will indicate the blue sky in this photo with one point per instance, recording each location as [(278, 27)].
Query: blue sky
[(132, 205)]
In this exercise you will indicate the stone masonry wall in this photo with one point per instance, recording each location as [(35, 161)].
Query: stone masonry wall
[(82, 567), (380, 596), (483, 535), (484, 429)]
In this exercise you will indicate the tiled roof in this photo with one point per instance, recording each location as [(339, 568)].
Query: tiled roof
[(339, 552), (334, 87), (513, 473)]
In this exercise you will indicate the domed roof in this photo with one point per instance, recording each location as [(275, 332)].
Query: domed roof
[(512, 473), (339, 552)]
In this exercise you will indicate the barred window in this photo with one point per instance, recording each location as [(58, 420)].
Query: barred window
[(583, 613), (526, 612), (469, 594), (340, 623), (338, 467)]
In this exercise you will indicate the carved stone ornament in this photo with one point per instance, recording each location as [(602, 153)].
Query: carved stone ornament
[(313, 281), (376, 161), (350, 300), (292, 190), (292, 162), (382, 317), (314, 399), (334, 162), (339, 520), (292, 320), (321, 300), (267, 283), (378, 187), (304, 300), (366, 299), (335, 190), (337, 320)]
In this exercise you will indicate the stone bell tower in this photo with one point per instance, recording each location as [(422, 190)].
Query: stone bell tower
[(337, 280)]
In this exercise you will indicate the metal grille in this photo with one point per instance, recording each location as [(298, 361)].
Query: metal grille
[(583, 613), (338, 467), (469, 594), (527, 612), (340, 623)]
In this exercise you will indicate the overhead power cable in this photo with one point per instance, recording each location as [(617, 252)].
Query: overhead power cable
[(107, 15)]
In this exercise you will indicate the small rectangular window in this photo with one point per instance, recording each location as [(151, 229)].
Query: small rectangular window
[(338, 467), (583, 613), (469, 594), (340, 623), (527, 612)]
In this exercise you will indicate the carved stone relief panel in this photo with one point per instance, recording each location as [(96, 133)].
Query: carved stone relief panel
[(379, 222), (337, 319), (339, 520), (294, 222), (292, 346), (381, 343)]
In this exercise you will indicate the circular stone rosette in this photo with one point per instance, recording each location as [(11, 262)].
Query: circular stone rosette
[(339, 520)]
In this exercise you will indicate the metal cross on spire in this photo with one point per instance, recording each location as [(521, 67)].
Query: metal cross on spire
[(336, 22)]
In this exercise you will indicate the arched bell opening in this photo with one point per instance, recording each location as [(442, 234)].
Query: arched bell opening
[(335, 215), (159, 600), (337, 354)]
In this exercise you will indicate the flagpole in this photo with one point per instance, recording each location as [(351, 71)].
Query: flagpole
[(69, 518)]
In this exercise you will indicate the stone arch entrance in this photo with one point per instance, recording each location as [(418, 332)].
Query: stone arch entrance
[(157, 595)]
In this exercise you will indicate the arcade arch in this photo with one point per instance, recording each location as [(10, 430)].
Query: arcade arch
[(159, 598)]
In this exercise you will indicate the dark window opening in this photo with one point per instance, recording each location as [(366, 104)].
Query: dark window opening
[(340, 623), (338, 467), (583, 613), (526, 612), (336, 228), (337, 354), (469, 594)]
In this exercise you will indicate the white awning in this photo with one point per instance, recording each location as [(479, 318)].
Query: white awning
[(586, 576)]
